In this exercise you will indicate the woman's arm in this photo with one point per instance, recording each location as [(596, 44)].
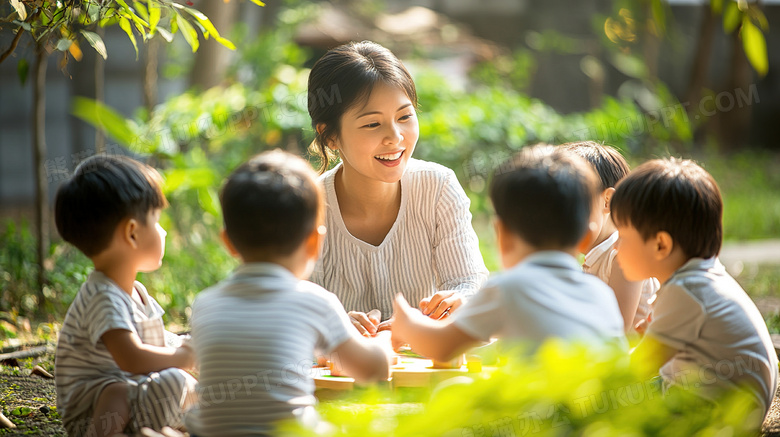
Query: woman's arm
[(460, 270)]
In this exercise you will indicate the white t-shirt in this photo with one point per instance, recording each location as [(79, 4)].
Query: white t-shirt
[(599, 262), (721, 338), (431, 246), (83, 366), (546, 295), (254, 335)]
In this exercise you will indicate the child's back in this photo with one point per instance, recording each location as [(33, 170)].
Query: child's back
[(542, 297), (543, 198), (254, 334)]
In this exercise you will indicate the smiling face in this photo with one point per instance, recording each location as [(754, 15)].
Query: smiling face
[(377, 139)]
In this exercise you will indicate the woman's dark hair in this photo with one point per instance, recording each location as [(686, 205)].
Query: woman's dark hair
[(676, 196), (103, 191), (344, 77)]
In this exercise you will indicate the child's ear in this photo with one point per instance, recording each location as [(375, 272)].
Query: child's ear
[(315, 241), (664, 245), (607, 195), (228, 244), (590, 235), (129, 228), (504, 243)]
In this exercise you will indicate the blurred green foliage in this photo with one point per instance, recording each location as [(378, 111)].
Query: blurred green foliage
[(564, 390)]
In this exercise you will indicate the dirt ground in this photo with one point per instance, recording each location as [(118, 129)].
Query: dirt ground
[(30, 402)]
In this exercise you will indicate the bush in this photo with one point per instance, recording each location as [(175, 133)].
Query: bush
[(564, 390)]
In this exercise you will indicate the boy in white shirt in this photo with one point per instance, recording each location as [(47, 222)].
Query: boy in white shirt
[(543, 199), (706, 334), (633, 297), (255, 333), (116, 367)]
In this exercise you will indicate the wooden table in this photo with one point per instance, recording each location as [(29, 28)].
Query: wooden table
[(409, 372)]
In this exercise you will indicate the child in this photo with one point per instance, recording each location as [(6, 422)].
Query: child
[(255, 333), (395, 224), (113, 369), (543, 203), (633, 297), (705, 333)]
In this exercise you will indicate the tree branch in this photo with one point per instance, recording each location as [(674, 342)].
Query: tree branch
[(14, 43)]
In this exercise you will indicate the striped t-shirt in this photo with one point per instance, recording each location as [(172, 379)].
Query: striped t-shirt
[(83, 366), (254, 335), (431, 246)]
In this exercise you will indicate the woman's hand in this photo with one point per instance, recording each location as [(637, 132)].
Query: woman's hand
[(365, 323), (441, 304)]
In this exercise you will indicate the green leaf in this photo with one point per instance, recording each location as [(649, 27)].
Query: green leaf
[(717, 7), (189, 33), (24, 25), (154, 16), (142, 12), (96, 42), (174, 24), (102, 116), (165, 34), (64, 44), (210, 30), (630, 65), (22, 68), (124, 24), (758, 17), (755, 46), (659, 16), (20, 9), (209, 200), (731, 17)]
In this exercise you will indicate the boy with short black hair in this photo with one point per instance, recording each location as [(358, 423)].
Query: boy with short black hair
[(633, 297), (255, 333), (116, 367), (706, 333), (543, 199)]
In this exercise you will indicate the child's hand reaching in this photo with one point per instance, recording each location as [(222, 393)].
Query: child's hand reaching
[(403, 315), (441, 304), (365, 323)]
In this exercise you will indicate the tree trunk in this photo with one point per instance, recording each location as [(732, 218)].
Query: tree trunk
[(735, 118), (39, 158), (100, 75), (701, 59), (212, 59), (150, 74)]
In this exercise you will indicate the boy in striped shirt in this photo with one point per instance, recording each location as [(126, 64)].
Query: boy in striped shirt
[(255, 333), (117, 369)]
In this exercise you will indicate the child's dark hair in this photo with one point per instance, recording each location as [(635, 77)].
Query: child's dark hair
[(545, 195), (271, 204), (344, 77), (609, 164), (103, 191), (676, 196)]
